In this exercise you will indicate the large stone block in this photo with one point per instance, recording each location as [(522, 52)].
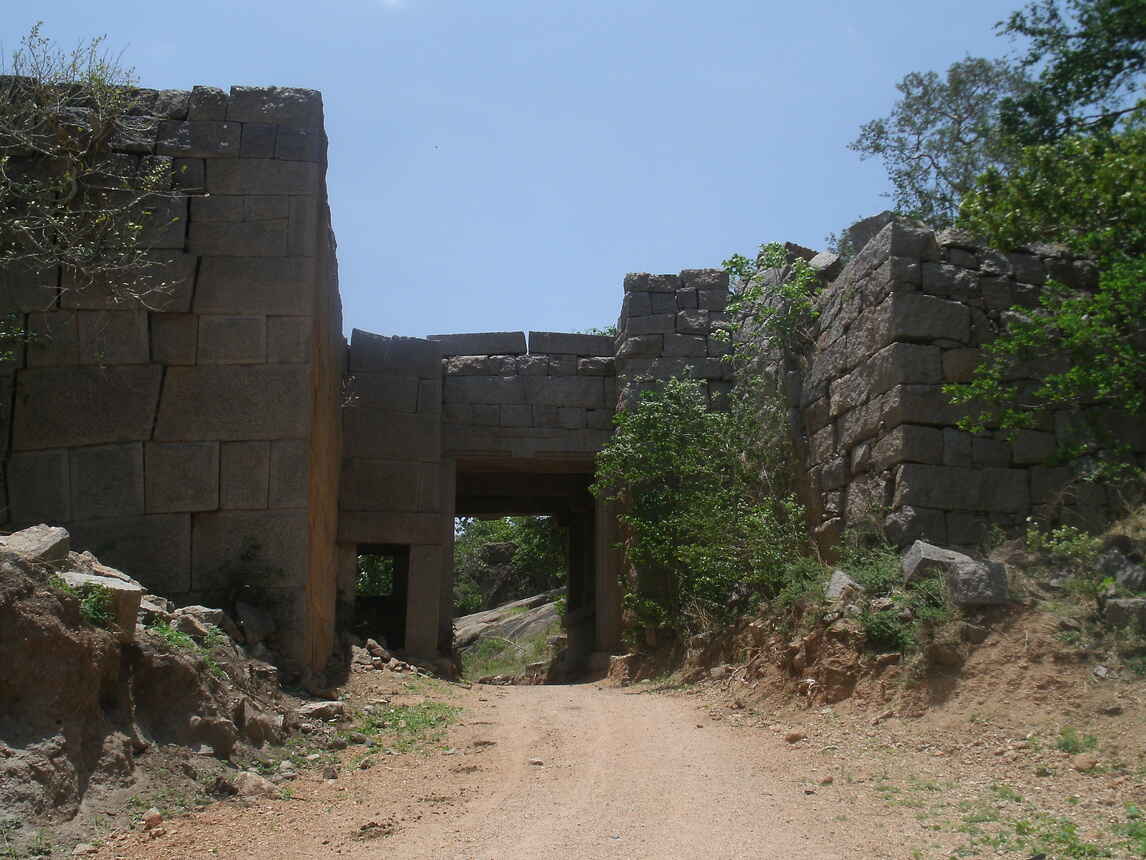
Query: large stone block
[(114, 337), (234, 403), (207, 103), (903, 363), (244, 475), (516, 415), (406, 356), (692, 322), (685, 344), (289, 474), (557, 343), (390, 485), (24, 291), (174, 338), (922, 318), (909, 524), (483, 365), (261, 176), (644, 281), (481, 343), (389, 527), (638, 346), (430, 396), (155, 550), (301, 144), (53, 339), (908, 443), (182, 476), (656, 323), (66, 407), (259, 140), (918, 404), (488, 389), (381, 391), (265, 549), (562, 365), (166, 284), (285, 106), (531, 365), (564, 390), (597, 366), (256, 285), (201, 139), (106, 481), (232, 340), (945, 487), (38, 487), (246, 239), (940, 279), (1004, 491), (380, 434)]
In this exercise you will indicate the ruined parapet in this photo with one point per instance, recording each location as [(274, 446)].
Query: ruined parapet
[(907, 315), (667, 326), (191, 441)]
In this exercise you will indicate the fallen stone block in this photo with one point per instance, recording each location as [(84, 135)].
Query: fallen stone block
[(842, 587), (322, 711), (969, 582), (125, 598), (215, 617), (42, 544)]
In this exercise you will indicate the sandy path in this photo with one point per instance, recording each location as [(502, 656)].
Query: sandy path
[(623, 775)]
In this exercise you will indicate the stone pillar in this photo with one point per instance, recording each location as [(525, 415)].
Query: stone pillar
[(423, 601), (608, 558), (446, 597)]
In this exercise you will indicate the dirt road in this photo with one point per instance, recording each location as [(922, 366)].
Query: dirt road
[(546, 772)]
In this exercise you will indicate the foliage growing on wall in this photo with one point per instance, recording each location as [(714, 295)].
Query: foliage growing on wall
[(68, 203)]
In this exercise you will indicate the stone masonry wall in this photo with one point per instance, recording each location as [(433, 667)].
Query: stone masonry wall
[(178, 441), (554, 399), (666, 325), (908, 314)]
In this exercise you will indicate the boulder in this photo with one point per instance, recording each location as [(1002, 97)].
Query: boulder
[(219, 733), (969, 582), (842, 587), (42, 544), (376, 650), (322, 711), (154, 610), (249, 784), (216, 617), (192, 626), (1126, 574), (827, 265), (1126, 612), (125, 597)]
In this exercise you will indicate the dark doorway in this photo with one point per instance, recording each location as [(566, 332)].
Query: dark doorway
[(380, 593)]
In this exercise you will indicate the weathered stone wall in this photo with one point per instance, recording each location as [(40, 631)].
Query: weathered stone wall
[(193, 442), (555, 399), (907, 315), (666, 325)]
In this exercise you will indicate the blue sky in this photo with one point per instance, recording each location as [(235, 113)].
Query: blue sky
[(501, 165)]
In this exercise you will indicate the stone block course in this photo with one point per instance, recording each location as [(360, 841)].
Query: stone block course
[(289, 482), (484, 365), (199, 139), (403, 356), (232, 340), (54, 339), (181, 476), (38, 487), (113, 337), (244, 475), (487, 389), (155, 549), (657, 323), (908, 443), (232, 403), (481, 343), (379, 434), (557, 343), (390, 485), (301, 144), (259, 140), (106, 481), (207, 103), (239, 239), (261, 176), (266, 549), (289, 339), (255, 285), (284, 106), (174, 338), (68, 407), (584, 391)]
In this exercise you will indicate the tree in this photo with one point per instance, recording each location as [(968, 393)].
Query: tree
[(1092, 60), (942, 134), (73, 210), (1089, 193), (536, 560)]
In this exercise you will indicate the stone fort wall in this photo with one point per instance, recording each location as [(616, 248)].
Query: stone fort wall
[(189, 442), (225, 443)]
